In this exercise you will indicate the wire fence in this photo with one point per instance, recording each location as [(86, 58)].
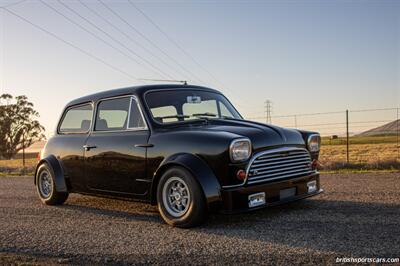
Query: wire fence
[(364, 138)]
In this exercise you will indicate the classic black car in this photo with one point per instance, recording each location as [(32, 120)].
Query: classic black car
[(184, 148)]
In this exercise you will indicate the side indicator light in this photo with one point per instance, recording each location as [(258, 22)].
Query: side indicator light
[(241, 175), (314, 164)]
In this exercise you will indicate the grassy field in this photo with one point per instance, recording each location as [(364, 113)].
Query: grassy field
[(15, 166), (362, 156), (360, 140), (365, 152)]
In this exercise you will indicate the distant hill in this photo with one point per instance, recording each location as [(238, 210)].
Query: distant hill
[(387, 129)]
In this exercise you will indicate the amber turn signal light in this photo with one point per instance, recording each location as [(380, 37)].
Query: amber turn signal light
[(241, 175)]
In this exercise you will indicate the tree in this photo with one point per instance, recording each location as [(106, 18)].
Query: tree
[(19, 127)]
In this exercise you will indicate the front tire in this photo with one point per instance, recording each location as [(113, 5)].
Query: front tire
[(46, 188), (181, 200)]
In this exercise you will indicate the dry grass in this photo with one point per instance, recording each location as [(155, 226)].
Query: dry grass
[(15, 166), (361, 140), (362, 156)]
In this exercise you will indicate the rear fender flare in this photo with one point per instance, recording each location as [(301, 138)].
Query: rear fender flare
[(58, 172)]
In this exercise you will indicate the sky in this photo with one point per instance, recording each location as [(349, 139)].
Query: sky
[(304, 56)]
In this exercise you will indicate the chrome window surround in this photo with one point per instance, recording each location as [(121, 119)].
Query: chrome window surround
[(59, 132), (132, 98), (262, 153)]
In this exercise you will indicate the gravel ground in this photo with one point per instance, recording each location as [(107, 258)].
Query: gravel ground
[(357, 216)]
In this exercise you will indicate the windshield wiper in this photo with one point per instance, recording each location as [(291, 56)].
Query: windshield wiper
[(172, 116), (204, 114)]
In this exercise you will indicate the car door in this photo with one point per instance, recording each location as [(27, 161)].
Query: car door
[(115, 151), (72, 133)]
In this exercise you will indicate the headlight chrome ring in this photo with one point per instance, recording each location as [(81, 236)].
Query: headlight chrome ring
[(240, 150), (314, 142)]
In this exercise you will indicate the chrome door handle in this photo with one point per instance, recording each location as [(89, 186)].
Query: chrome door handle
[(144, 145), (88, 148)]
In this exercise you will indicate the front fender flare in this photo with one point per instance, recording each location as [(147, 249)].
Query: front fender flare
[(58, 172), (200, 170)]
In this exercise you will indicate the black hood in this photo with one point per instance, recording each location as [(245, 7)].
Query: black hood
[(261, 135)]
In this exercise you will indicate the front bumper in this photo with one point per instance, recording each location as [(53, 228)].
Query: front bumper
[(237, 199)]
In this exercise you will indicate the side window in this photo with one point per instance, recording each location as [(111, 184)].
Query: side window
[(112, 114), (77, 119), (135, 117)]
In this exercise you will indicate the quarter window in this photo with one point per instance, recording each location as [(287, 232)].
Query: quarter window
[(112, 114), (77, 119)]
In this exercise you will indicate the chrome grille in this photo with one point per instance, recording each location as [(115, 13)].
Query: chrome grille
[(279, 164)]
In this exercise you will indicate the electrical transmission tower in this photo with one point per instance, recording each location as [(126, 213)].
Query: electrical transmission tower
[(268, 111)]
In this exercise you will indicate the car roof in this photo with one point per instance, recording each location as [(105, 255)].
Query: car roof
[(137, 90)]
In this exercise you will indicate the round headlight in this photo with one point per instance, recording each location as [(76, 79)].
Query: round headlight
[(240, 150), (314, 143)]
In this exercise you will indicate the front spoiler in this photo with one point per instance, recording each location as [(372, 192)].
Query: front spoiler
[(236, 199)]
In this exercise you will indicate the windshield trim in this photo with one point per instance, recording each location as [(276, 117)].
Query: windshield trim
[(197, 120)]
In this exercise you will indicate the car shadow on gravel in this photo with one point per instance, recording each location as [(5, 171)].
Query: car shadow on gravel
[(346, 227), (115, 214)]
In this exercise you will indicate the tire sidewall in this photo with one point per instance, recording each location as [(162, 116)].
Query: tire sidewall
[(45, 167), (197, 203)]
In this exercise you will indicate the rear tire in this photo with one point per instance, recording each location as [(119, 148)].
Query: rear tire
[(181, 200), (46, 188)]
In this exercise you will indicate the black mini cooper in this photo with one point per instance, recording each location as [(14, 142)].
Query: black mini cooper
[(184, 148)]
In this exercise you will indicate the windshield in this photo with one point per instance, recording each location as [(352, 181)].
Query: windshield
[(183, 105)]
